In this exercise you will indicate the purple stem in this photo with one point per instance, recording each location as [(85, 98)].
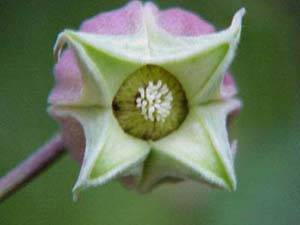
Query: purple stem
[(31, 167)]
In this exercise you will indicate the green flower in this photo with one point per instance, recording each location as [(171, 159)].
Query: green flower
[(142, 96)]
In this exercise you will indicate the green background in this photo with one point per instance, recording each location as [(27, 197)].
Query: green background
[(268, 128)]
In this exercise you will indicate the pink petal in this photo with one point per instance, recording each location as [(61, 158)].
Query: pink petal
[(181, 22), (73, 136), (228, 88), (125, 20), (68, 80)]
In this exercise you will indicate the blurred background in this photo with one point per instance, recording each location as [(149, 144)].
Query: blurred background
[(266, 70)]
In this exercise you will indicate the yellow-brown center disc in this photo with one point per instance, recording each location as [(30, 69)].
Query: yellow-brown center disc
[(150, 103)]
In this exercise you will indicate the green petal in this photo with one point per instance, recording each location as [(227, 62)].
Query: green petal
[(104, 71), (109, 153), (199, 150)]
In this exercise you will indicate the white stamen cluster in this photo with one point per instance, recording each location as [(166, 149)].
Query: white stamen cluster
[(154, 101)]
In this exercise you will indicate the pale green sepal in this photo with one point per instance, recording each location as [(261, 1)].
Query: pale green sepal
[(120, 153), (90, 95), (200, 148), (160, 168), (214, 119), (202, 71), (195, 72), (212, 89), (110, 153), (106, 71)]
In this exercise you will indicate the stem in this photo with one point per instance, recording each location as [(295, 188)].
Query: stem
[(31, 167)]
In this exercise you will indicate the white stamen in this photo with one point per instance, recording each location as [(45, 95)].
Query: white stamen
[(155, 101)]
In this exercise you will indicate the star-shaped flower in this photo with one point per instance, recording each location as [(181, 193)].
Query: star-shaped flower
[(143, 96)]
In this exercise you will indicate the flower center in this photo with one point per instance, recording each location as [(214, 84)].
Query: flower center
[(150, 103), (155, 101)]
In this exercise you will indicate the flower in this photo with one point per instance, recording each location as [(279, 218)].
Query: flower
[(143, 96)]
